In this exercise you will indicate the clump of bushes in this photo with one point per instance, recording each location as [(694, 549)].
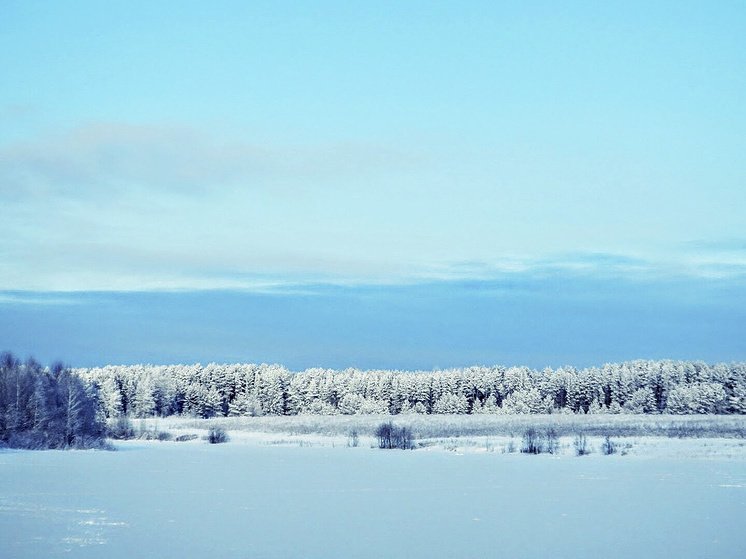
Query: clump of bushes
[(608, 446), (155, 435), (120, 428), (552, 441), (353, 439), (581, 445), (532, 442), (535, 442), (185, 438), (390, 436), (510, 447), (217, 435)]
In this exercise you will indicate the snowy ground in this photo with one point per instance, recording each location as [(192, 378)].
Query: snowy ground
[(429, 426), (281, 495), (642, 435)]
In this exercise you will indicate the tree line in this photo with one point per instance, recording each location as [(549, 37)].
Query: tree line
[(47, 407), (676, 387)]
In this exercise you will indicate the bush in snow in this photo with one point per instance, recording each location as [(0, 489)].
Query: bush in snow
[(552, 439), (390, 436), (533, 442), (353, 439), (608, 446), (217, 435), (510, 447), (120, 428), (581, 445), (154, 435)]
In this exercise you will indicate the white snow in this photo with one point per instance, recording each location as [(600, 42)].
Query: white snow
[(289, 496)]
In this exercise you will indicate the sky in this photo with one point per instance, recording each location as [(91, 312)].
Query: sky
[(390, 184)]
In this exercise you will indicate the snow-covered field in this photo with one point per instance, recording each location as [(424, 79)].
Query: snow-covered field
[(434, 426), (278, 494)]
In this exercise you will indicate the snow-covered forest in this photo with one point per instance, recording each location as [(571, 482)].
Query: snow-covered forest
[(676, 387), (46, 407)]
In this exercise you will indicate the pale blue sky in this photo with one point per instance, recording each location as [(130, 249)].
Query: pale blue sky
[(154, 146)]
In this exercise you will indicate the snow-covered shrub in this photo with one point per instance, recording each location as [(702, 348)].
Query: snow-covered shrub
[(580, 444), (608, 446), (390, 436), (533, 442), (154, 435), (217, 435), (552, 441), (120, 428), (353, 439)]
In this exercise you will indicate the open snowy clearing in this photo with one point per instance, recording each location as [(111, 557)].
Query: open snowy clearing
[(290, 496), (429, 426), (643, 435)]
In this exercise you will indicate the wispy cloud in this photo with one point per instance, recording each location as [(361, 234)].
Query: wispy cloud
[(31, 298), (715, 258), (732, 244), (593, 264), (127, 269), (140, 207), (101, 159)]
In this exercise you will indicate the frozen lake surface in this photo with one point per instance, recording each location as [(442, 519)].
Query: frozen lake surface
[(241, 500)]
